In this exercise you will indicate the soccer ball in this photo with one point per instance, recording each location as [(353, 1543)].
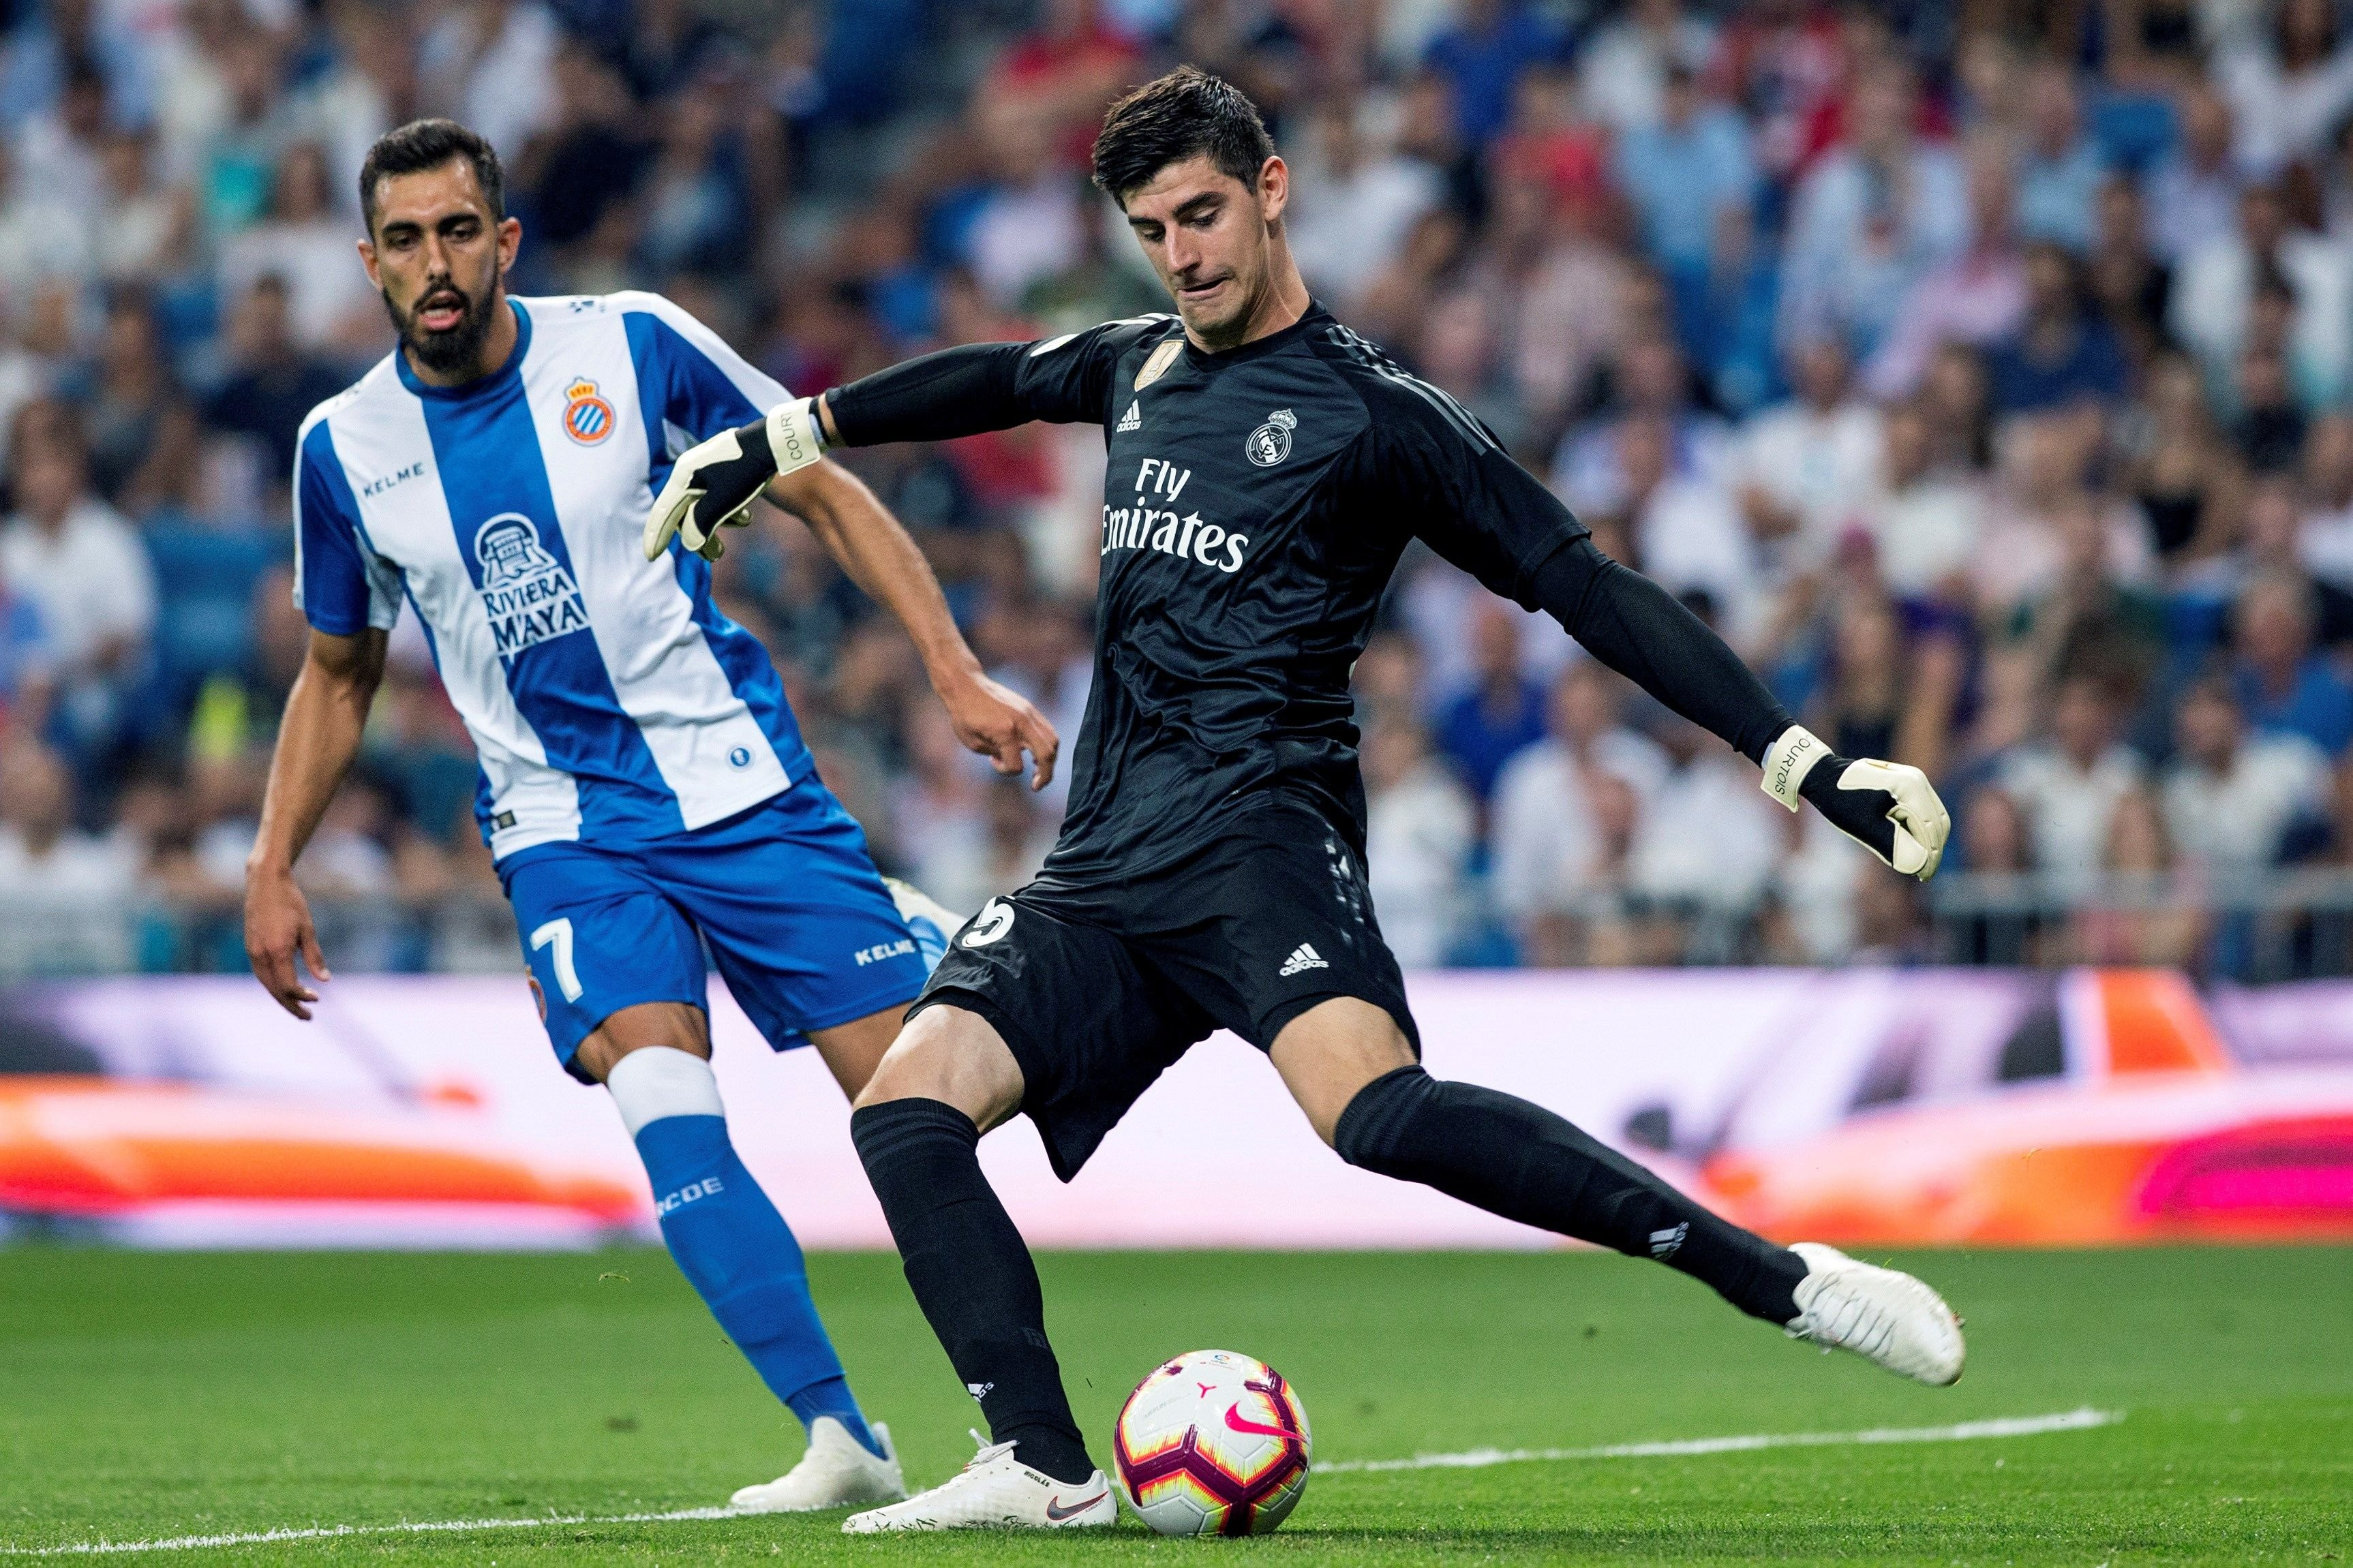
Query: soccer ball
[(1212, 1444)]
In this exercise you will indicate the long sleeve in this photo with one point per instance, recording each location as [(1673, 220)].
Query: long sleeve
[(1482, 512), (1645, 633), (989, 386)]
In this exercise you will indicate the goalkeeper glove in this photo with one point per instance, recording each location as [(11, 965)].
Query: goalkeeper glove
[(712, 486), (1891, 809)]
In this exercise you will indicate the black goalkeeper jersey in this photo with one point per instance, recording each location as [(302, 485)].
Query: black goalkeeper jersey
[(1254, 508)]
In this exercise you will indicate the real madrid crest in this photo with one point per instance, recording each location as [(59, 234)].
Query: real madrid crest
[(588, 418), (1156, 364), (1271, 442)]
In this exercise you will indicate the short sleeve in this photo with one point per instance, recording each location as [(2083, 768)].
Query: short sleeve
[(1462, 493), (691, 384), (340, 585)]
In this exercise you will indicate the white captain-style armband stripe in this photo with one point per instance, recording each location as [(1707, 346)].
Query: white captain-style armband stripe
[(1788, 760), (796, 438)]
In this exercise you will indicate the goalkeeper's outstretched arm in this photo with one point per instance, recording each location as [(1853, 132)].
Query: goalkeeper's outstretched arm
[(1638, 629)]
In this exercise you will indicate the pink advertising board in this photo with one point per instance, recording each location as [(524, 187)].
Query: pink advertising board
[(428, 1112)]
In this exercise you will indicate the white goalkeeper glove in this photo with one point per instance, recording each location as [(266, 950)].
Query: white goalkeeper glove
[(1890, 808), (712, 486)]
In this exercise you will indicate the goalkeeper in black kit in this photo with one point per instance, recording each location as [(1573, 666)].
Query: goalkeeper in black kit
[(1267, 468)]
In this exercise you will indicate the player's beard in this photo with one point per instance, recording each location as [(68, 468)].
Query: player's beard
[(454, 348)]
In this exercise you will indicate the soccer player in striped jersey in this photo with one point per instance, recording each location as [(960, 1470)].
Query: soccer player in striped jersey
[(644, 788)]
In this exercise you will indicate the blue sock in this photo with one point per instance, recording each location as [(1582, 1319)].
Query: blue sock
[(740, 1255)]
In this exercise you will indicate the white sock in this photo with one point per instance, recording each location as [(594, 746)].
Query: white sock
[(656, 1082)]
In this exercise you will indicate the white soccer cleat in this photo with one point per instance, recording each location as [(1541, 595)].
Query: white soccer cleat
[(836, 1472), (1882, 1314), (996, 1491)]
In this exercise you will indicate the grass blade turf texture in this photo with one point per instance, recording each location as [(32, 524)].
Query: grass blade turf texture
[(147, 1396)]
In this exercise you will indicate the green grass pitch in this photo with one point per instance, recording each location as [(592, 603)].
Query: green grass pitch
[(152, 1397)]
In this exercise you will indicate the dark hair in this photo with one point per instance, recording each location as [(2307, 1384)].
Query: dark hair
[(1186, 114), (423, 145)]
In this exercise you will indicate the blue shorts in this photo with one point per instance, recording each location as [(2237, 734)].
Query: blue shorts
[(798, 920)]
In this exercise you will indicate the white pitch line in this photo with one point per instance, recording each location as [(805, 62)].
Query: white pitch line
[(330, 1532), (1962, 1432), (1475, 1458)]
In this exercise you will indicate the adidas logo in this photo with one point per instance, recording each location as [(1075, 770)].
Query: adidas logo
[(1131, 420), (978, 1390), (1665, 1244), (1303, 958)]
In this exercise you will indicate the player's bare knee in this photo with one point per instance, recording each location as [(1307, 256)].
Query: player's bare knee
[(679, 1025), (1331, 1051), (954, 1057)]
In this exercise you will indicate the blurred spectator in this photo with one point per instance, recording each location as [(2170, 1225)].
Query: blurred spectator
[(83, 569), (2215, 286), (62, 892), (306, 244), (2269, 428), (1479, 728), (43, 236), (698, 199), (1685, 166), (2230, 802), (1559, 858), (1708, 839), (1629, 72), (1805, 470), (2060, 174), (1025, 225), (274, 384), (134, 390), (1958, 401), (2067, 788), (2180, 469), (1926, 526), (487, 63), (2282, 687), (1483, 55), (2156, 922), (1815, 885), (2128, 283), (1421, 827), (1653, 389), (2193, 190), (1871, 219), (1353, 203), (1979, 298), (143, 229), (2288, 84), (2062, 355)]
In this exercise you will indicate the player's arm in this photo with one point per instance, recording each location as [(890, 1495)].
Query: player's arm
[(1493, 518), (1640, 630), (874, 550), (317, 741), (939, 396)]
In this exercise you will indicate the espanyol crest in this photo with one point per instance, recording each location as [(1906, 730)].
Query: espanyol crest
[(1271, 442), (588, 418)]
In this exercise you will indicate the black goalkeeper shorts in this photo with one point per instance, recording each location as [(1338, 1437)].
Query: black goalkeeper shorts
[(1097, 990)]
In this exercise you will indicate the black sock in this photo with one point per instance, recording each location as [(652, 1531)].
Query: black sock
[(1520, 1161), (972, 1275)]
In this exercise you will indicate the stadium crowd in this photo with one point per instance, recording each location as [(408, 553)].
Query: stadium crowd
[(1983, 369)]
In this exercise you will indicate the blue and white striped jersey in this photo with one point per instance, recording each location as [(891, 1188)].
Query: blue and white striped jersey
[(607, 696)]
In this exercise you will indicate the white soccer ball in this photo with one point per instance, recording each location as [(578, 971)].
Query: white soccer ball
[(1212, 1444)]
